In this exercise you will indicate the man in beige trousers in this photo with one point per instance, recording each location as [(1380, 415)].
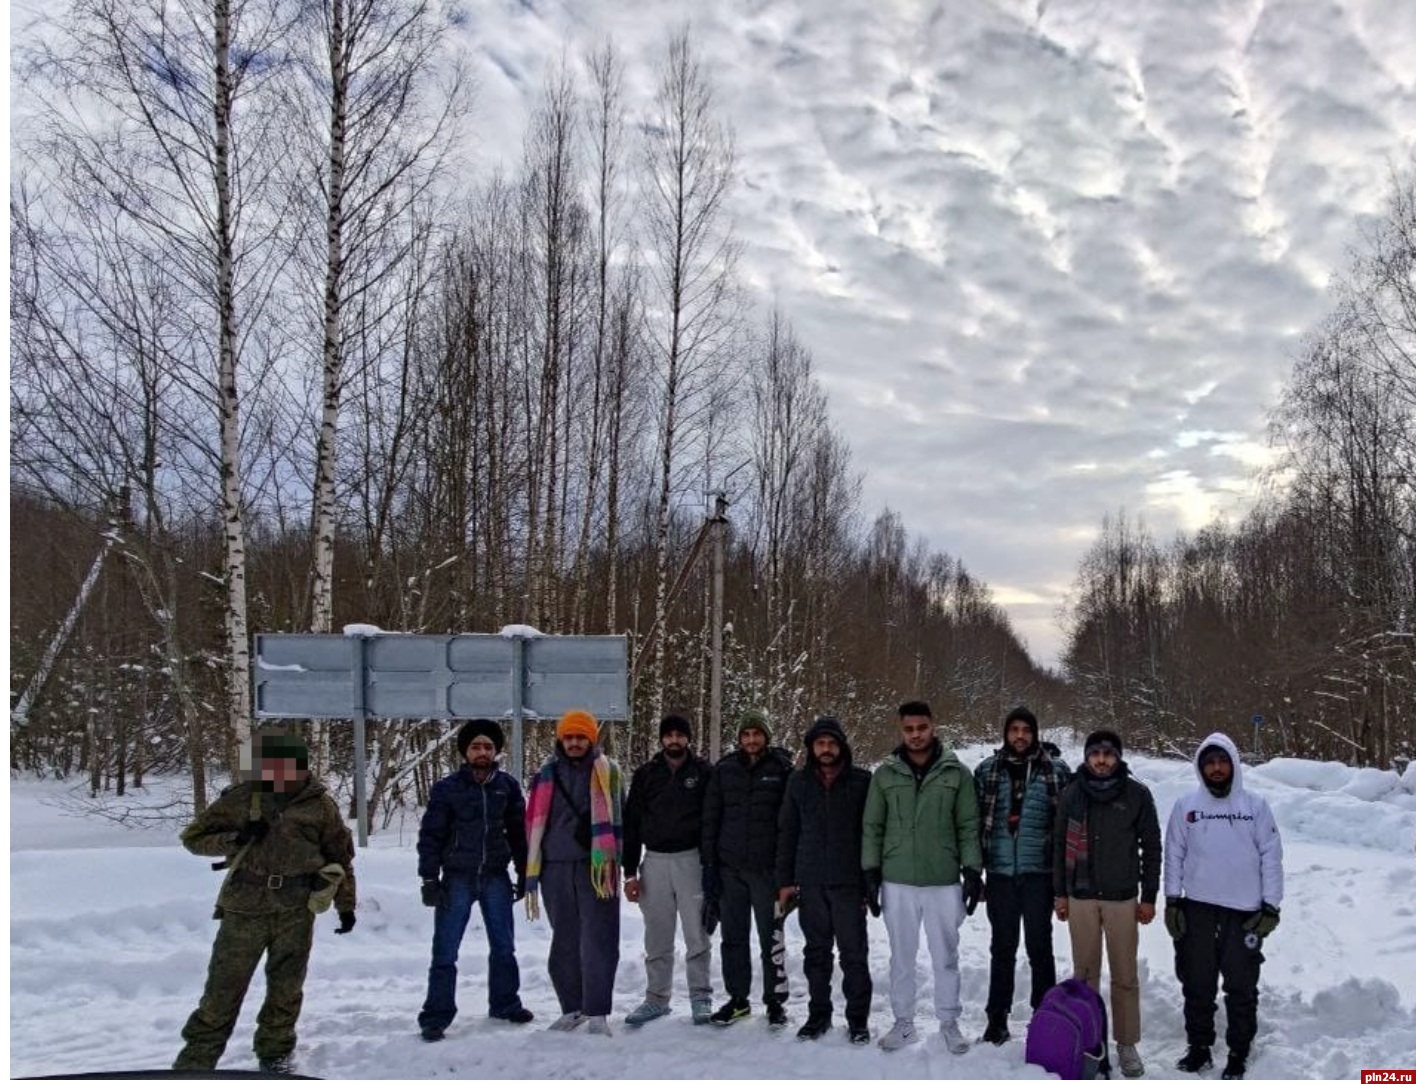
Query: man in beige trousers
[(1107, 847)]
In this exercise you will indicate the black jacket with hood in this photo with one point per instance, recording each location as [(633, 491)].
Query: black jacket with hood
[(819, 828)]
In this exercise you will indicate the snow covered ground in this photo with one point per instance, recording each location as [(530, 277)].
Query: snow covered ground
[(110, 929)]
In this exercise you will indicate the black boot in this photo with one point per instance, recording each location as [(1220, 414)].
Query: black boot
[(279, 1065), (1195, 1059), (776, 1014), (997, 1031), (817, 1025), (1235, 1066)]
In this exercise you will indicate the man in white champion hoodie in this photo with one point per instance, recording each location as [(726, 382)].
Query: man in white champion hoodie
[(1223, 887)]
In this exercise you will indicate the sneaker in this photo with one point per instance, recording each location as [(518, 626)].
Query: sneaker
[(731, 1013), (569, 1022), (702, 1010), (280, 1065), (648, 1010), (953, 1037), (1235, 1066), (1131, 1064), (432, 1035), (1195, 1059), (776, 1014), (815, 1027), (899, 1036), (859, 1034), (598, 1025), (519, 1015), (997, 1031)]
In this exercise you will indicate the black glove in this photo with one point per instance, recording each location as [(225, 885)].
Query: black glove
[(712, 883), (1175, 917), (346, 921), (432, 892), (252, 832), (710, 914), (973, 890), (1263, 921), (872, 891), (518, 889)]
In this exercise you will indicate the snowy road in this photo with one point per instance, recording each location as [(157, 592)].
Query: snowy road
[(110, 930)]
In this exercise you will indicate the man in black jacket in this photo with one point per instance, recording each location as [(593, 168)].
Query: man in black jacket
[(1107, 844), (663, 820), (475, 824), (818, 863), (739, 863)]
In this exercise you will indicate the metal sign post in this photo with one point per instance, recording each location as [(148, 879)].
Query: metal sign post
[(364, 675)]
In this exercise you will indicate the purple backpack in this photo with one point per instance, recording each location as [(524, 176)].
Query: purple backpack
[(1067, 1033)]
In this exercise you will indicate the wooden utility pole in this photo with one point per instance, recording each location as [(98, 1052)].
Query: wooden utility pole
[(715, 686)]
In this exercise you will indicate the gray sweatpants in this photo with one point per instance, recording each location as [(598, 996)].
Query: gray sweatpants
[(671, 890), (585, 943)]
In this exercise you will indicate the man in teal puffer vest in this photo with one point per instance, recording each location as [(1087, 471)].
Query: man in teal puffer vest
[(920, 839), (1017, 800)]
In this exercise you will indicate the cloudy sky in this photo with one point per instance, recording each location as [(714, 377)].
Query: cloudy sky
[(1052, 258)]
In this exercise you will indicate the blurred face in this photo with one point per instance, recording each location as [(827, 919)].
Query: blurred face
[(674, 744), (752, 741), (917, 731), (284, 774), (576, 746), (1216, 768), (1102, 760), (481, 753), (826, 750), (1019, 736)]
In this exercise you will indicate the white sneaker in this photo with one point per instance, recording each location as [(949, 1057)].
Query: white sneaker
[(1131, 1064), (953, 1037), (899, 1036), (598, 1025), (569, 1022)]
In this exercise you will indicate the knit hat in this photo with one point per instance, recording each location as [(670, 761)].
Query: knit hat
[(675, 724), (826, 726), (479, 728), (1213, 747), (1103, 738), (285, 747), (1021, 714), (754, 719), (578, 722)]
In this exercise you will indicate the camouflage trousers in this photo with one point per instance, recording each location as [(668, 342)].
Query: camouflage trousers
[(284, 937)]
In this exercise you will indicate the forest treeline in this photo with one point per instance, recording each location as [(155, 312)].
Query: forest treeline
[(277, 366), (1301, 614)]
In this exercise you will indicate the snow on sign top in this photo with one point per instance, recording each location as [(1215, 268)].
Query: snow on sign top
[(511, 632), (363, 630)]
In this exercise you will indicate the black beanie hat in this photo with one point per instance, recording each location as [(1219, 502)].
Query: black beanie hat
[(1214, 747), (1103, 737), (1021, 714), (675, 723), (479, 728)]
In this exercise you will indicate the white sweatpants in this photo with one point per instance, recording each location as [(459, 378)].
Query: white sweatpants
[(940, 908)]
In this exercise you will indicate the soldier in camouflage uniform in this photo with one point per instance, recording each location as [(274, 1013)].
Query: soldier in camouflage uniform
[(289, 852)]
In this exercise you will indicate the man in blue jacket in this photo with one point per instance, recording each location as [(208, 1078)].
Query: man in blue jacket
[(1017, 801), (474, 826), (1223, 888)]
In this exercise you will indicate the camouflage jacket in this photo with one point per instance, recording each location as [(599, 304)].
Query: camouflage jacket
[(306, 832)]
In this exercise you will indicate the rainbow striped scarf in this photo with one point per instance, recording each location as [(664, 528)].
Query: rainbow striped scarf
[(606, 827)]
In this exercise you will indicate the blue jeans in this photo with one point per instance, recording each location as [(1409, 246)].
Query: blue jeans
[(449, 923)]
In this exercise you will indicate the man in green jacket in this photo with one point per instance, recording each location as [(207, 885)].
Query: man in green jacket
[(920, 838), (289, 854)]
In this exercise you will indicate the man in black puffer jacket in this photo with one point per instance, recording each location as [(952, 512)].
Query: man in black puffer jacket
[(475, 824), (739, 856), (818, 862)]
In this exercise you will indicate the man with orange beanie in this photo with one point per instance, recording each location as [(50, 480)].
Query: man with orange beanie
[(574, 827)]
